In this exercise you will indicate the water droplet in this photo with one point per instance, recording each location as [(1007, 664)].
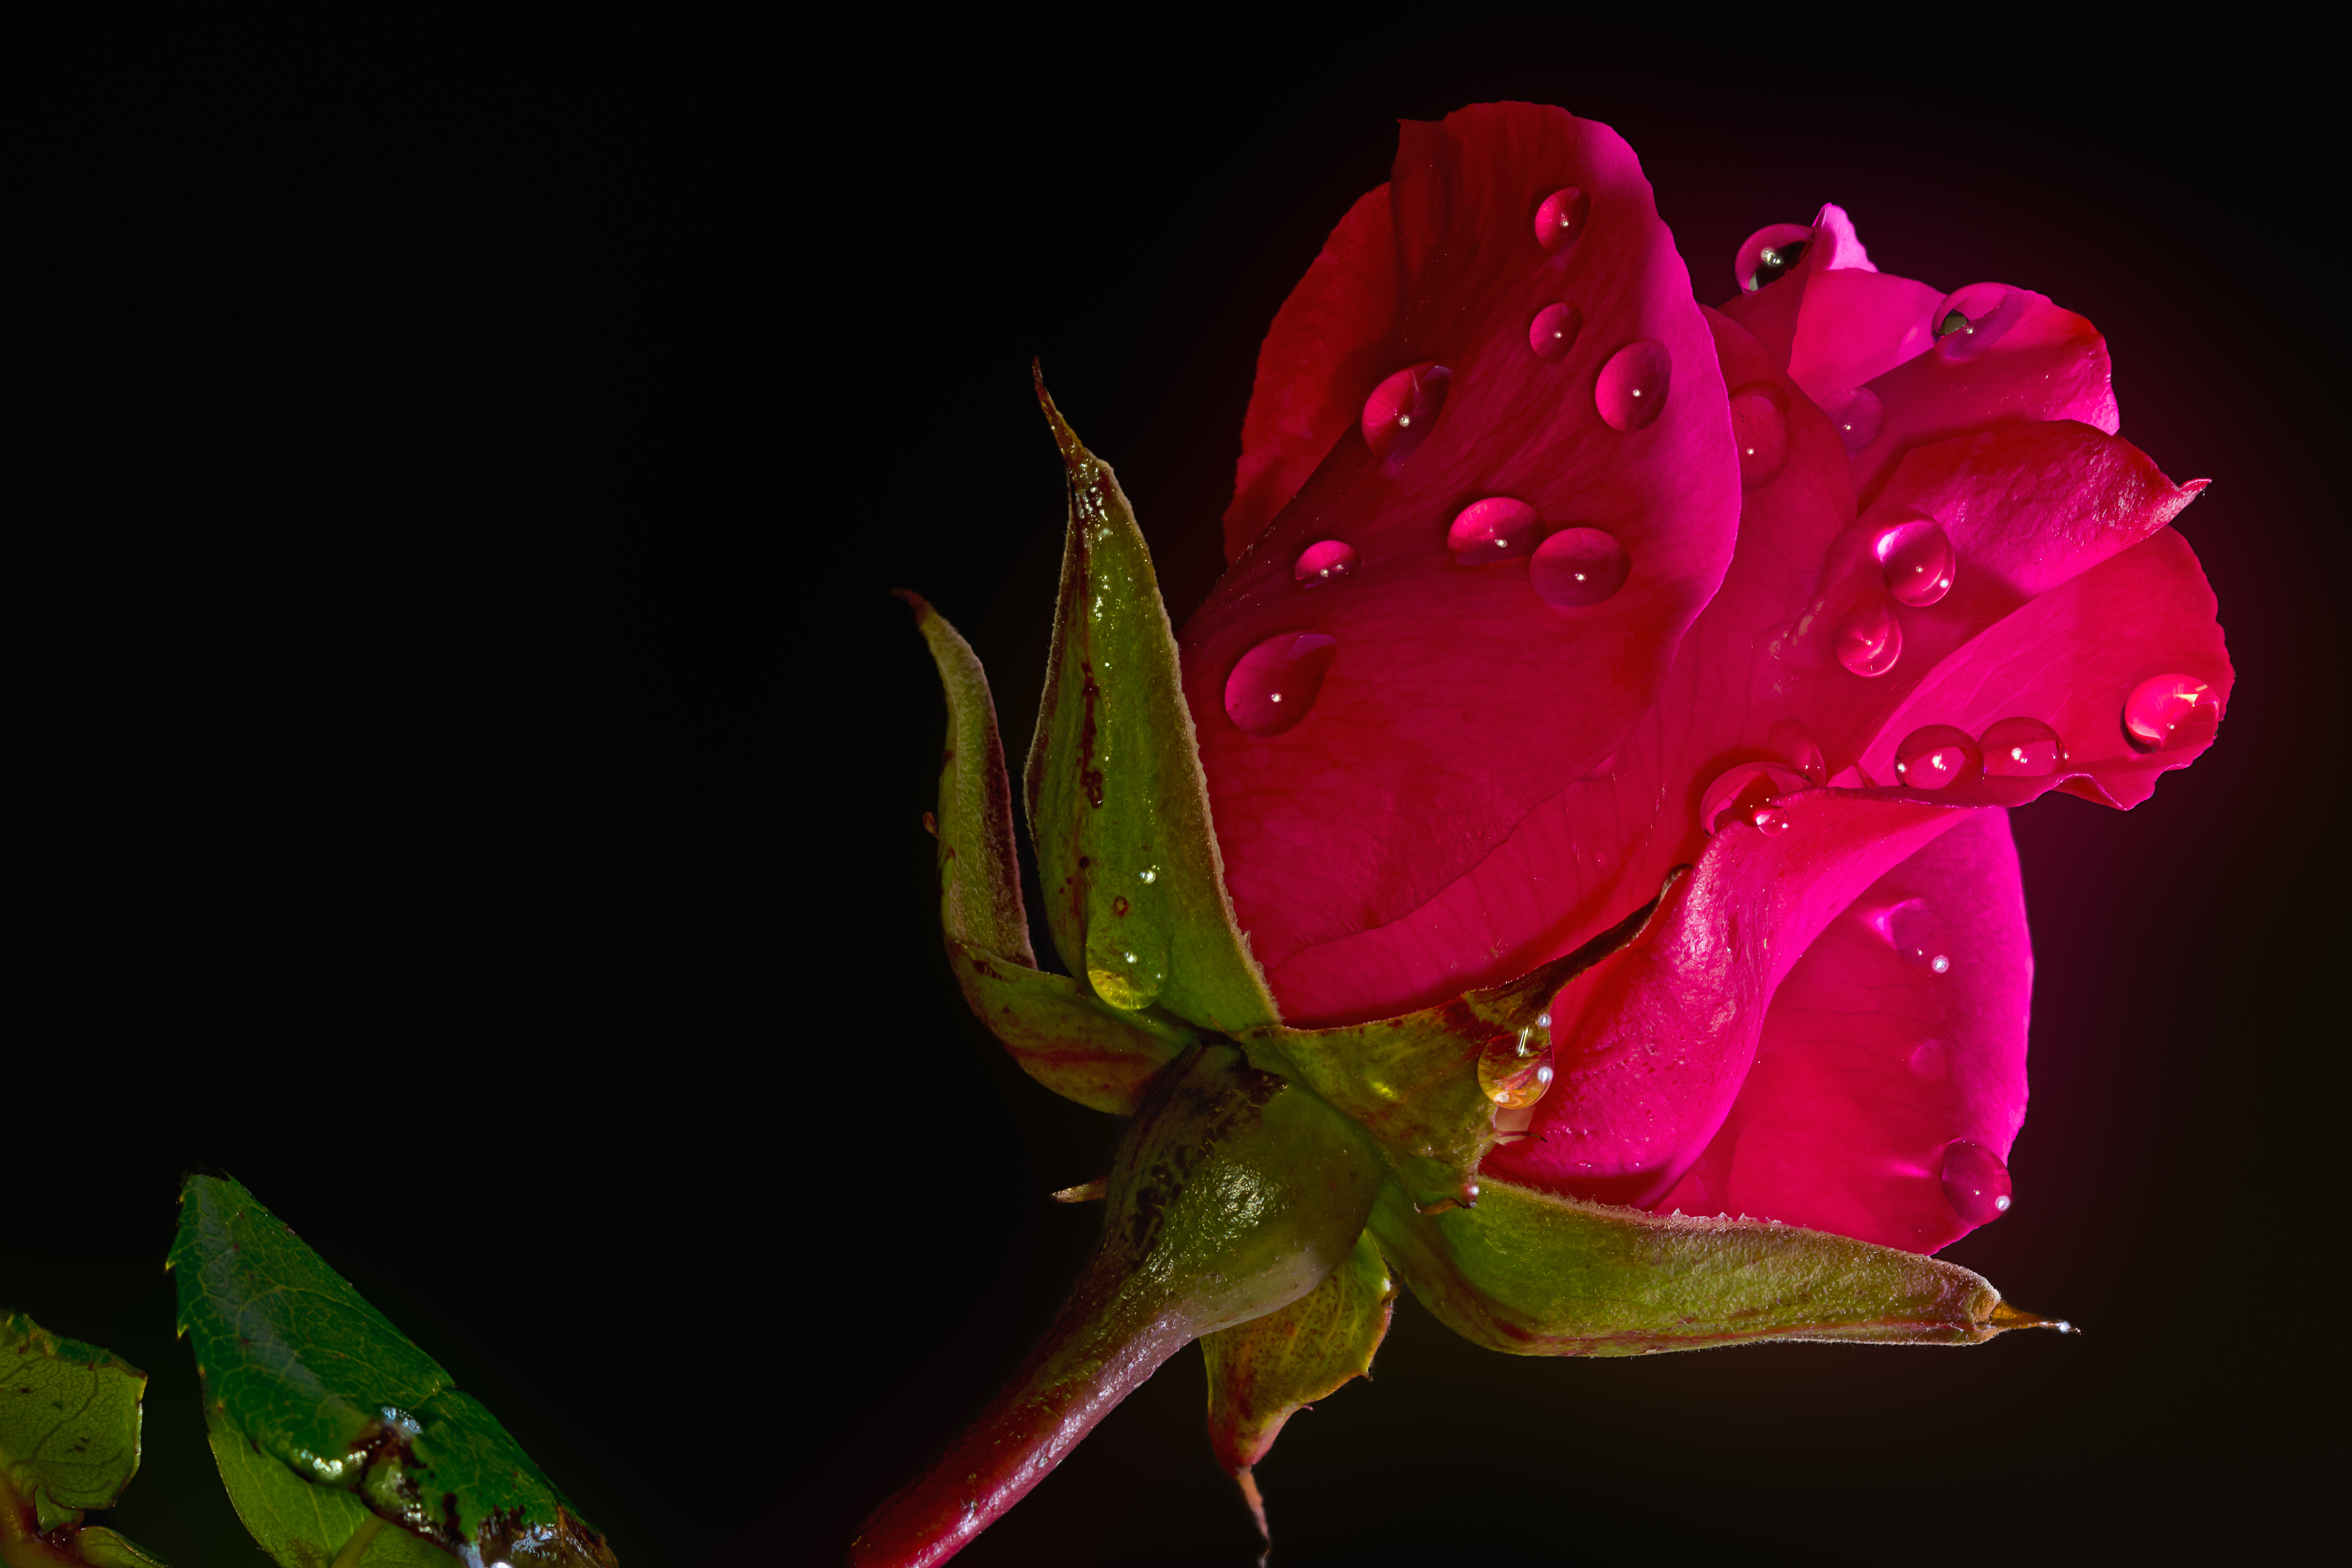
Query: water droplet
[(1148, 874), (1276, 683), (1771, 821), (1516, 1070), (1560, 219), (1553, 331), (1767, 255), (1632, 390), (1938, 756), (2021, 749), (1578, 566), (1858, 415), (1973, 319), (1743, 789), (1495, 529), (1400, 412), (1916, 557), (2168, 710), (1326, 561), (1912, 930), (1930, 1061), (1870, 639), (1760, 429), (1976, 1183), (1799, 751)]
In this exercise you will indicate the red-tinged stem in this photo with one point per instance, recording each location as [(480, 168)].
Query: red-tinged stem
[(1113, 1334)]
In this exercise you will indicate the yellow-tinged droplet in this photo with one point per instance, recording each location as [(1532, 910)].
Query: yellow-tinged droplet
[(1515, 1070)]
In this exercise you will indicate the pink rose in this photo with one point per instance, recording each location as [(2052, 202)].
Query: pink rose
[(1552, 625)]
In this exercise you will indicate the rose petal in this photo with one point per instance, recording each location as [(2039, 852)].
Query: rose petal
[(1664, 1032), (1855, 326), (1457, 697), (1332, 340), (1870, 1065)]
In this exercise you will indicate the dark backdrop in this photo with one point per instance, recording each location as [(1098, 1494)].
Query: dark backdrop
[(477, 763)]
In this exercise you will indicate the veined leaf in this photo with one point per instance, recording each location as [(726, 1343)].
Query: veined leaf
[(1538, 1275), (306, 1526), (1054, 1028), (1134, 882), (315, 1380), (69, 1418)]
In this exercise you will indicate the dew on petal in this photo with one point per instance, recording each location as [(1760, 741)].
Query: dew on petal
[(1578, 566), (1930, 1061), (1973, 319), (1743, 789), (2021, 749), (1515, 1071), (1976, 1183), (1768, 255), (1870, 639), (1912, 930), (1760, 431), (1400, 410), (1858, 414), (1560, 219), (1771, 821), (1326, 561), (1276, 683), (1917, 556), (1553, 331), (1494, 528), (2168, 710), (1938, 756), (1796, 747), (1632, 390)]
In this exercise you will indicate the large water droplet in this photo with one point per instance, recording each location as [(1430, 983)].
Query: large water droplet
[(1938, 756), (1276, 682), (1973, 319), (2023, 749), (1797, 748), (1771, 821), (1743, 789), (1768, 255), (1760, 431), (1912, 930), (1858, 414), (1495, 529), (1976, 1183), (1561, 218), (1326, 561), (1121, 978), (1578, 566), (1916, 557), (2168, 710), (1516, 1070), (1633, 386), (1553, 331), (1930, 1061), (1400, 410), (1870, 639)]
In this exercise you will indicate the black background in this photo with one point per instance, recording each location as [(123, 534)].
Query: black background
[(473, 764)]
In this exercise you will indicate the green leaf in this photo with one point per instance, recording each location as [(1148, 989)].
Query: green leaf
[(1056, 1029), (1261, 1372), (1415, 1081), (1134, 883), (69, 1417), (314, 1379), (103, 1548), (306, 1526), (1538, 1275)]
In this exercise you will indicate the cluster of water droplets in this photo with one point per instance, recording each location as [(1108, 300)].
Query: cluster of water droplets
[(1272, 685)]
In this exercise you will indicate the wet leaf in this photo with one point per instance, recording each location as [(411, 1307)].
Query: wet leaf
[(1538, 1275), (316, 1380), (1059, 1032), (1134, 882)]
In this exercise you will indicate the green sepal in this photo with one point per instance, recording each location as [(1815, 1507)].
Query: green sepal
[(317, 1381), (1263, 1370), (1063, 1036), (1134, 882), (1413, 1081), (1538, 1275)]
